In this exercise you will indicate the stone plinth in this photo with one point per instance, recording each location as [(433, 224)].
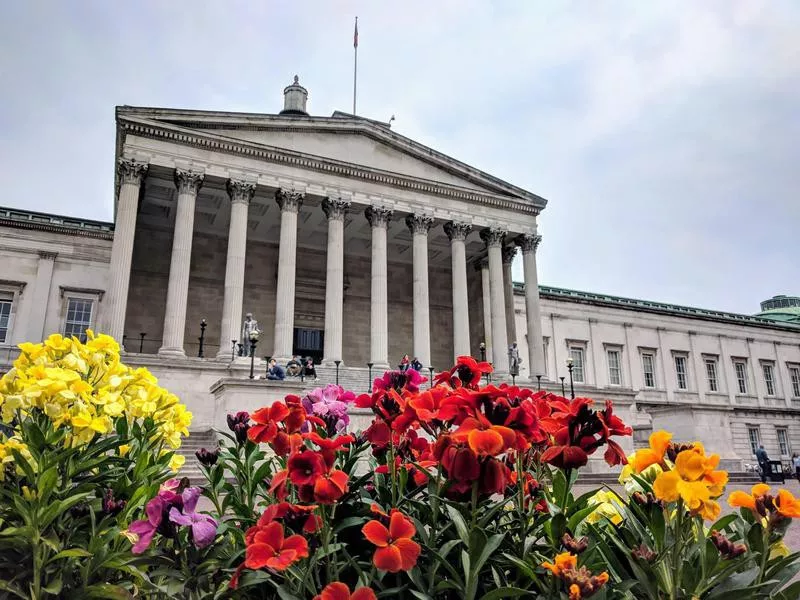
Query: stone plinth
[(233, 394)]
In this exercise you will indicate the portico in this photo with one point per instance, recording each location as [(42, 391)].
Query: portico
[(292, 218)]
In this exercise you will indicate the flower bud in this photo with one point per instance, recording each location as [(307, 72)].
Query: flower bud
[(110, 505), (575, 546), (642, 552), (207, 458)]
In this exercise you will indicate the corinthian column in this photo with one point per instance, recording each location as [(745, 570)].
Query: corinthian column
[(240, 192), (419, 225), (335, 211), (378, 218), (131, 174), (509, 252), (290, 203), (188, 184), (483, 266), (528, 243), (494, 240), (457, 233)]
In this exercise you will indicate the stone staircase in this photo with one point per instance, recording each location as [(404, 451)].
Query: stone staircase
[(197, 439)]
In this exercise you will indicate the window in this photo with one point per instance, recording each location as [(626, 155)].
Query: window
[(769, 378), (711, 374), (79, 317), (614, 369), (648, 367), (576, 354), (783, 441), (545, 343), (794, 375), (680, 372), (6, 300), (755, 438), (740, 367)]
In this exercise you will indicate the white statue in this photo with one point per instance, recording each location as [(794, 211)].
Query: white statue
[(514, 360), (249, 326)]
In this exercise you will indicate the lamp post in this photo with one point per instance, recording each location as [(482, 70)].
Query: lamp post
[(253, 342), (430, 381), (487, 376), (571, 383), (482, 349), (141, 341), (369, 377), (562, 386), (266, 370), (233, 349), (337, 363), (538, 383), (202, 337)]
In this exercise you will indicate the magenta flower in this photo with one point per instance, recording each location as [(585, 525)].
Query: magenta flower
[(204, 527), (330, 404), (408, 380), (146, 528)]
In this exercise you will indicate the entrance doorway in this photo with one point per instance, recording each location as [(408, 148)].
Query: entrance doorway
[(308, 342)]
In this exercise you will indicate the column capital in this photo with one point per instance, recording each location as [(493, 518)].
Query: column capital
[(419, 224), (289, 200), (509, 252), (45, 255), (188, 182), (529, 242), (131, 171), (335, 208), (481, 264), (240, 191), (457, 231), (493, 236), (378, 216)]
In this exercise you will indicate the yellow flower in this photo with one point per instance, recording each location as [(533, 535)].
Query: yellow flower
[(693, 480), (176, 462), (28, 494), (779, 550), (659, 442), (603, 501), (124, 449)]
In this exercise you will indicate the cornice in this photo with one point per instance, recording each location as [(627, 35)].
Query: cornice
[(206, 141), (32, 225)]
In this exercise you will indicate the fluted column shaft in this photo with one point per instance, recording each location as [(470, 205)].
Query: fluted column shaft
[(457, 233), (290, 203), (240, 192), (335, 211), (131, 174), (378, 218), (419, 225), (188, 184), (508, 254), (487, 308), (533, 314), (494, 240)]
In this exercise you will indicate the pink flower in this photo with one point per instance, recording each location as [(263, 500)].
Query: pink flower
[(146, 528), (204, 527)]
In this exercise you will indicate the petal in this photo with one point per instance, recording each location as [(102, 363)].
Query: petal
[(689, 465), (204, 532), (760, 489), (278, 411), (363, 593), (335, 591), (376, 533), (487, 443), (388, 559), (143, 542), (409, 553), (665, 487), (178, 518), (257, 555), (154, 510), (401, 526), (141, 527), (283, 561), (261, 416), (659, 442), (190, 496), (297, 543), (742, 500), (271, 534), (508, 435)]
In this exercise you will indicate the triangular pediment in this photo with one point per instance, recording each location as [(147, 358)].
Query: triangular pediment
[(341, 138)]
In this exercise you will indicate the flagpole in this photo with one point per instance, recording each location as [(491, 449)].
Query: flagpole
[(355, 64)]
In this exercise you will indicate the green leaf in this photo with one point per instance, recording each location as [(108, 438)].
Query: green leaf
[(505, 592), (46, 483), (460, 523), (492, 544), (71, 553), (54, 587), (108, 591)]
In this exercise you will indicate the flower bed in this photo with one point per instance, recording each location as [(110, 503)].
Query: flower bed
[(455, 490)]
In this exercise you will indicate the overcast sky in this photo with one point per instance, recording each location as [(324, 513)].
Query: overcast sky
[(665, 135)]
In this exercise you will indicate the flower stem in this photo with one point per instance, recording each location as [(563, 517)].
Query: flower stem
[(764, 555)]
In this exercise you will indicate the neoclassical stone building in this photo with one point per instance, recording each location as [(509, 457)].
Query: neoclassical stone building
[(355, 245)]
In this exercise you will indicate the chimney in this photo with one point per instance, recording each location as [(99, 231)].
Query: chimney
[(295, 97)]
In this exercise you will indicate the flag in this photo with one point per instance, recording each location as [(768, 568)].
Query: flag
[(355, 35)]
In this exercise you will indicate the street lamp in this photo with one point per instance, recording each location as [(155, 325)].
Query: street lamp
[(482, 349), (430, 382), (253, 342), (538, 383), (562, 386), (337, 363), (369, 377), (141, 341), (571, 383), (233, 349), (202, 337), (266, 372)]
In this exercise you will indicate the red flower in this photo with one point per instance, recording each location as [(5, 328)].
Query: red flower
[(270, 549), (396, 550), (305, 467), (467, 373), (330, 487), (285, 443), (277, 486), (266, 422), (460, 462), (484, 438), (494, 477), (339, 591), (296, 516), (378, 434), (565, 457)]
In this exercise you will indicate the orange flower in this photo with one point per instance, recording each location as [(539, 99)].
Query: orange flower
[(564, 561), (740, 499), (339, 591), (270, 549), (396, 550), (484, 438), (654, 455), (330, 487), (787, 504), (759, 500), (580, 582)]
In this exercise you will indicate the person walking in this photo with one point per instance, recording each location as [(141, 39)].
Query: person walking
[(796, 465), (763, 462)]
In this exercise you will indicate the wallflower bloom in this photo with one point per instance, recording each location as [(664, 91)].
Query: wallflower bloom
[(695, 481), (761, 502), (340, 591), (605, 508), (579, 582), (204, 527), (467, 373), (396, 550), (270, 549), (654, 455), (305, 467)]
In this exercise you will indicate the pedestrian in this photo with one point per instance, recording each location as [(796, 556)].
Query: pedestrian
[(416, 365), (404, 363), (310, 371), (275, 372), (763, 462), (796, 465)]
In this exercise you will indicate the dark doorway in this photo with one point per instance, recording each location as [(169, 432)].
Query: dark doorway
[(308, 342)]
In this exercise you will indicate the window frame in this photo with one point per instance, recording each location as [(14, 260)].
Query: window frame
[(545, 347), (785, 442), (15, 290), (754, 443), (616, 350), (794, 379), (5, 332), (712, 382), (769, 382), (651, 355), (578, 366), (680, 357), (742, 385)]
